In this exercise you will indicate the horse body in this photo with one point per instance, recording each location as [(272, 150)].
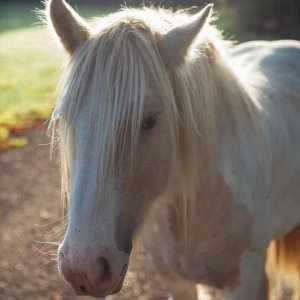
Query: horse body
[(273, 70), (164, 130), (264, 197)]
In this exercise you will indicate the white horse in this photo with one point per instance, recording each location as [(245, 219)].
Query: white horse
[(168, 132)]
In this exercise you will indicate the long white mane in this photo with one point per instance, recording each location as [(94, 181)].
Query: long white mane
[(114, 70)]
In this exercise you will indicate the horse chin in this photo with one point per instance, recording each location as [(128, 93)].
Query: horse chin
[(118, 288), (115, 289), (103, 293)]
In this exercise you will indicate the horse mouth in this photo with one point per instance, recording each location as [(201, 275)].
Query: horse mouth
[(85, 290), (118, 288), (103, 293)]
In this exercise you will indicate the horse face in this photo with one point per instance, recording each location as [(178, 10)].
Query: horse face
[(104, 217)]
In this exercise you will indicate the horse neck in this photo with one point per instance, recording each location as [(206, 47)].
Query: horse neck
[(212, 102), (227, 95)]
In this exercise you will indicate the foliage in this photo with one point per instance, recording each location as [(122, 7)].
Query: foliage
[(276, 18)]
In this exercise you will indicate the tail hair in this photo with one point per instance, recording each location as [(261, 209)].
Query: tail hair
[(283, 264)]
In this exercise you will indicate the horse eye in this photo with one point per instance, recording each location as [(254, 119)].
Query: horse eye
[(149, 123)]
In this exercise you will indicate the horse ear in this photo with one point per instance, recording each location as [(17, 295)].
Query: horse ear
[(71, 29), (174, 44)]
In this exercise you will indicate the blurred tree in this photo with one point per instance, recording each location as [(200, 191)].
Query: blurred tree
[(167, 3), (276, 18)]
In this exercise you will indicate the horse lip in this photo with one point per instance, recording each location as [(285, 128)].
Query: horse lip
[(114, 290), (119, 285), (101, 293), (118, 288), (124, 271)]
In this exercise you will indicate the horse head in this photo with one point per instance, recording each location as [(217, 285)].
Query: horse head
[(118, 123)]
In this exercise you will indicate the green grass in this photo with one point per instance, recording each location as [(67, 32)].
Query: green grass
[(28, 74), (20, 15), (29, 69), (30, 66)]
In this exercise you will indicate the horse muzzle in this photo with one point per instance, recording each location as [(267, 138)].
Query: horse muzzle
[(97, 275)]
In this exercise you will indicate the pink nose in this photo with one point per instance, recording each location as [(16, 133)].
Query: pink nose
[(95, 278)]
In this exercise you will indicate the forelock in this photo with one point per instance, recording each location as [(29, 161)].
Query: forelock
[(111, 71)]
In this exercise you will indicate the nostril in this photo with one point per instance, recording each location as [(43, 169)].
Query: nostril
[(104, 269), (83, 289)]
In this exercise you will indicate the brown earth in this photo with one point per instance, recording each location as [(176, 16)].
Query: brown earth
[(30, 217)]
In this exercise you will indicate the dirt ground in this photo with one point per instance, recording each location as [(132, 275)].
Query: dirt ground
[(30, 217)]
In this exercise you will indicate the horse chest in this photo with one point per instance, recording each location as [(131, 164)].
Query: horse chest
[(207, 246)]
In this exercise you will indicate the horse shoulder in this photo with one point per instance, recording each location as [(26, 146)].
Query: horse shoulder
[(283, 107), (209, 247), (272, 72)]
